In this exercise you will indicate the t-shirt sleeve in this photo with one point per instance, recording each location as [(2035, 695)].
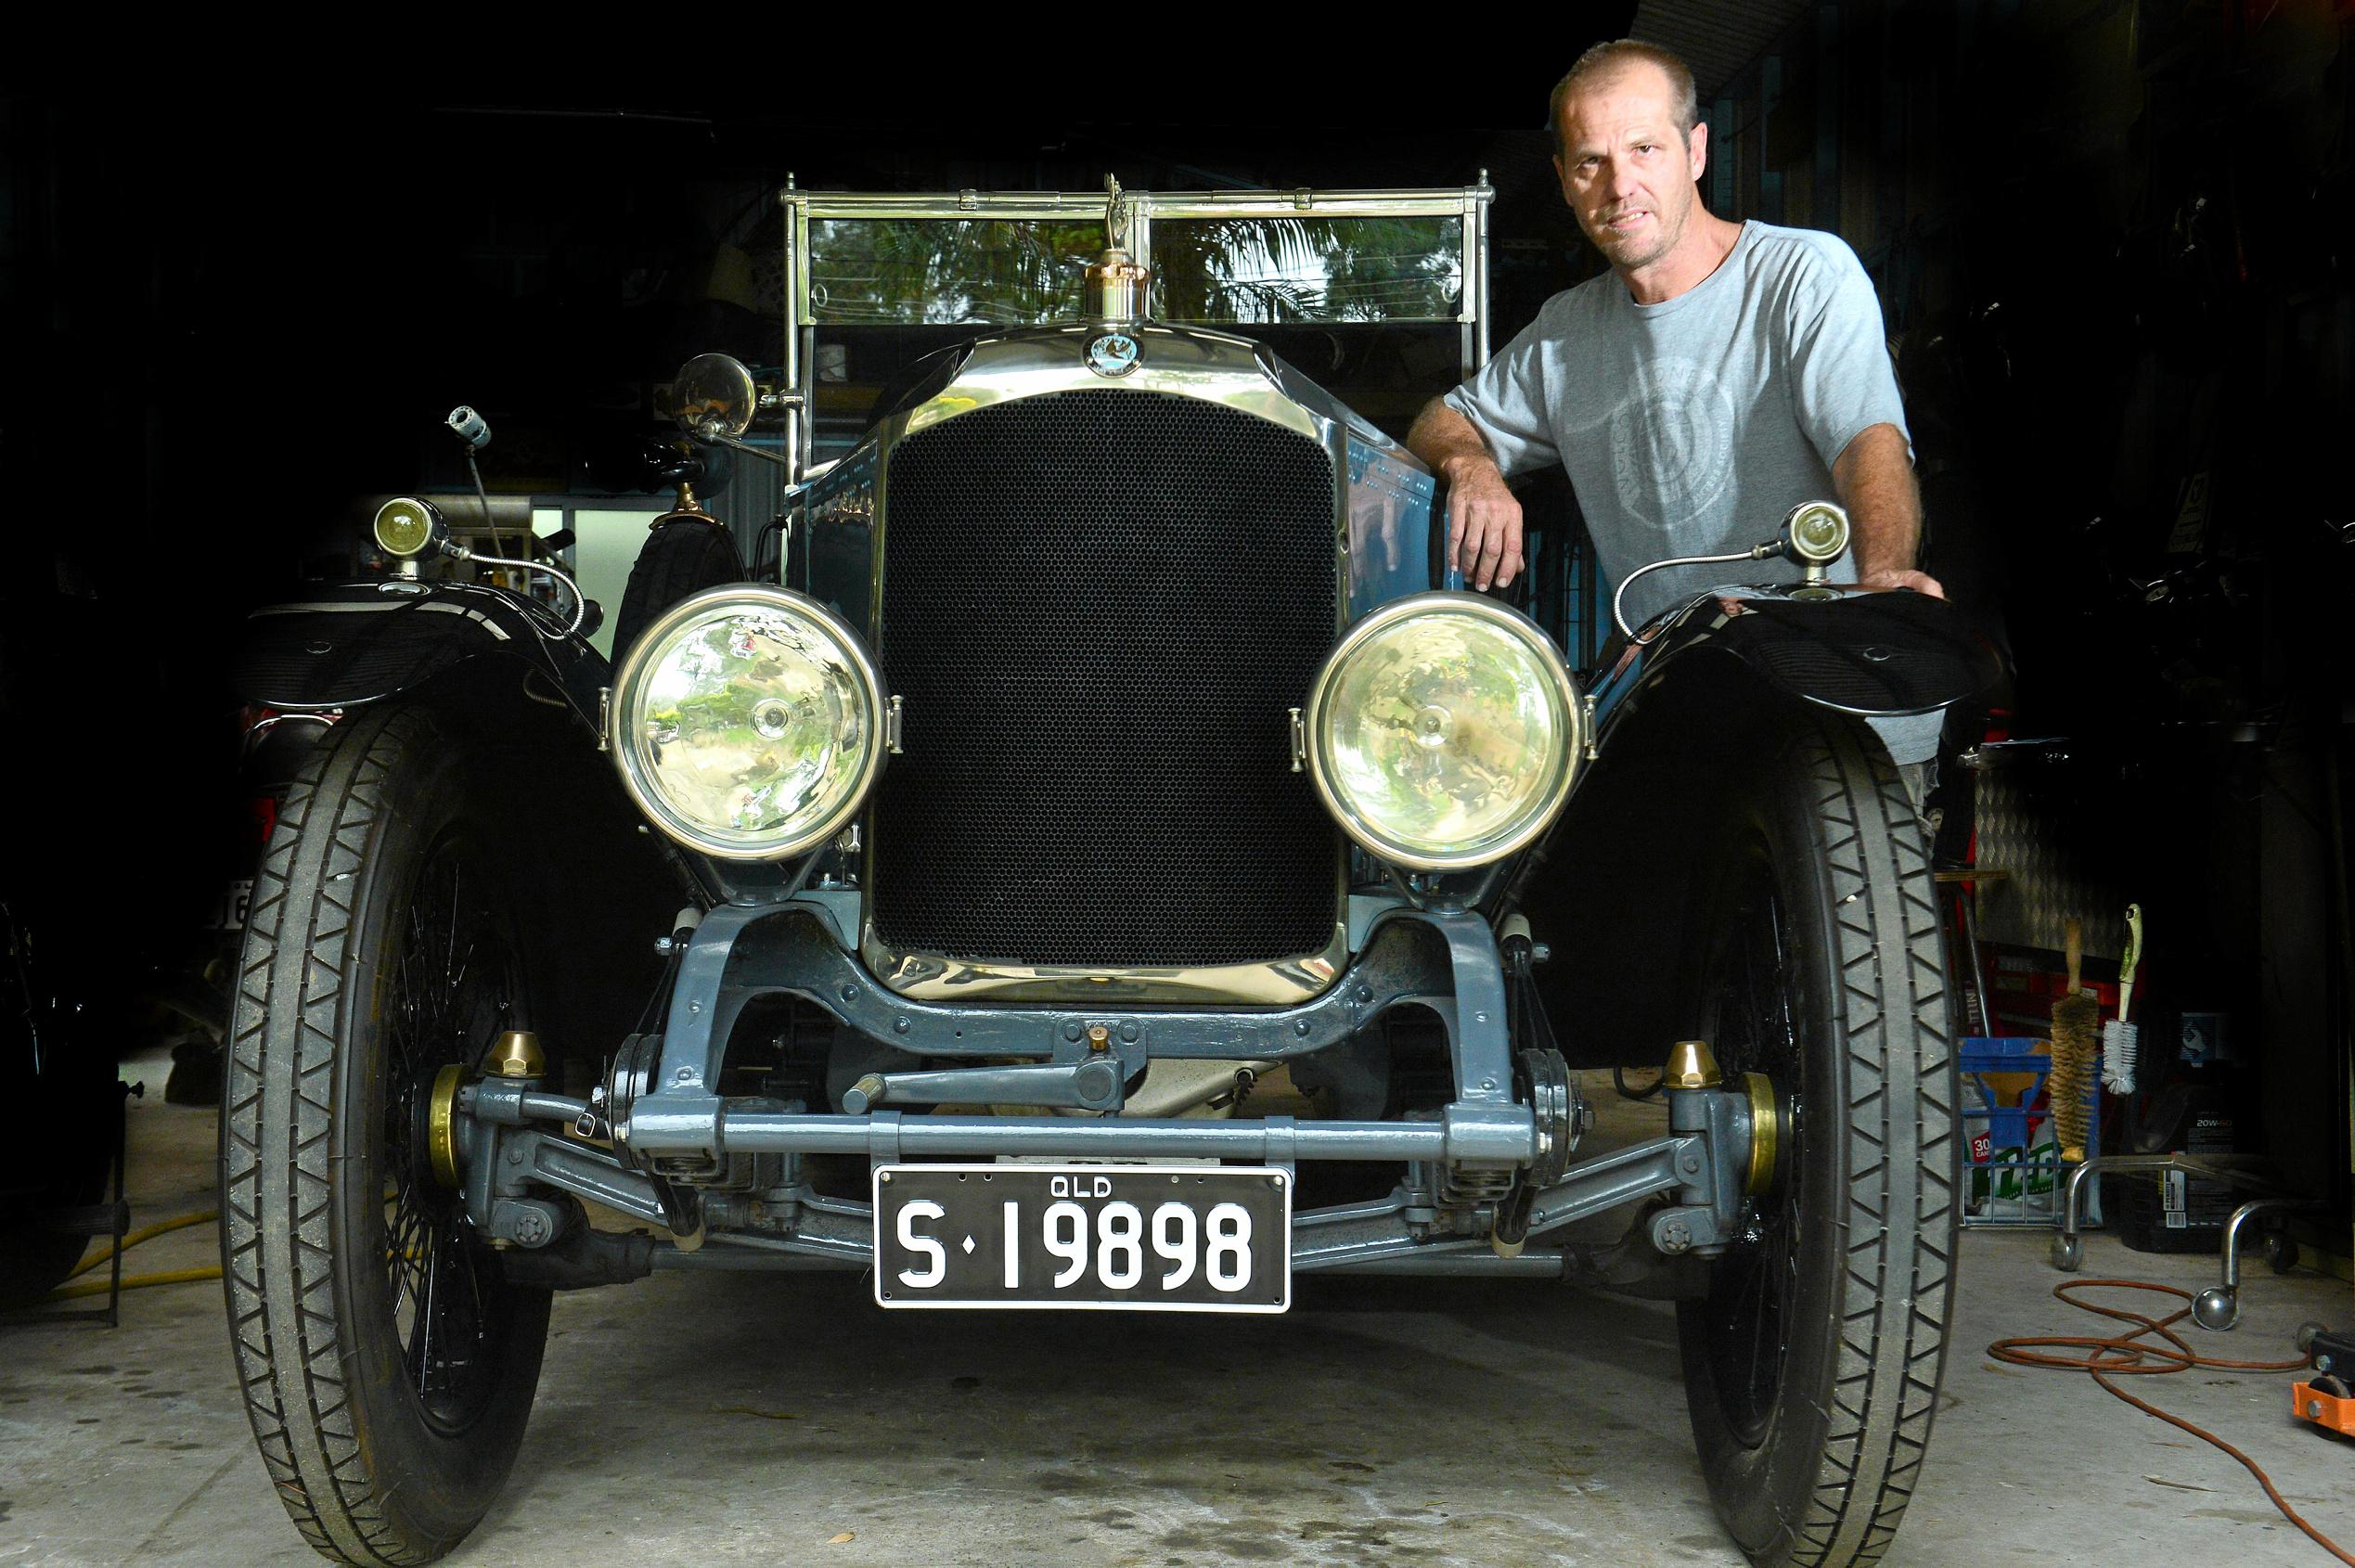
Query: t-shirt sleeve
[(1842, 381), (1506, 403)]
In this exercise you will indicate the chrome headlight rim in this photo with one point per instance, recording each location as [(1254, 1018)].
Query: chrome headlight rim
[(1551, 668), (630, 760)]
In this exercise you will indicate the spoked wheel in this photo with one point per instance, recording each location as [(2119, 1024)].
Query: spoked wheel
[(1812, 1365), (388, 1365)]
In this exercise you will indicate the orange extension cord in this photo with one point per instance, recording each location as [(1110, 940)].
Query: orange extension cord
[(2121, 1356)]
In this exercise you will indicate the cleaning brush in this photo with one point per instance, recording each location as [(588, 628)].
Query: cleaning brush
[(2118, 1036), (2076, 1032)]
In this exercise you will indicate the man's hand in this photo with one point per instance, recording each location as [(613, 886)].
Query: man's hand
[(1920, 582), (1875, 479), (1483, 520), (1484, 523)]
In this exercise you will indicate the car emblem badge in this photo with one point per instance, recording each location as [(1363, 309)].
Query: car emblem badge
[(1115, 353)]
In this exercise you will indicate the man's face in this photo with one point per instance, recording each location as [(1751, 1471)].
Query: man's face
[(1628, 169)]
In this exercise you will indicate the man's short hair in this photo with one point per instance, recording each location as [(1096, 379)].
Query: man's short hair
[(1609, 59)]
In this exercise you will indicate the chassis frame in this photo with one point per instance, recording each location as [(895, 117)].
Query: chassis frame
[(517, 1141)]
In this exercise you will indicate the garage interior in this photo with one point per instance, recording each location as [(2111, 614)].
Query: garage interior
[(2112, 241)]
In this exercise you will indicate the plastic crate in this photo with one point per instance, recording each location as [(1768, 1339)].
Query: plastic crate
[(2012, 1172)]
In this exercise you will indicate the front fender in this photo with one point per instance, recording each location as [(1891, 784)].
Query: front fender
[(346, 644), (1682, 719), (1868, 654)]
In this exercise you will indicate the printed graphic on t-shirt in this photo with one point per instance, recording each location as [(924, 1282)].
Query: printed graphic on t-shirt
[(1671, 442)]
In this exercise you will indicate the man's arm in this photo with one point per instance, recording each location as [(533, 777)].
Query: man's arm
[(1875, 481), (1483, 520)]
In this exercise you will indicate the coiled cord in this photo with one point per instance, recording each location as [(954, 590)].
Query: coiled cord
[(2135, 1356)]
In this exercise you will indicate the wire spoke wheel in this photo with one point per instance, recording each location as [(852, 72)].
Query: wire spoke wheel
[(1752, 1288), (388, 1365), (1812, 1363), (451, 992)]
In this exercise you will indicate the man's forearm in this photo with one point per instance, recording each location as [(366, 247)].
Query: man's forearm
[(1875, 481), (1444, 439), (1483, 520)]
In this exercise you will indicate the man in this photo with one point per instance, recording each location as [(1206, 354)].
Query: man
[(1718, 375)]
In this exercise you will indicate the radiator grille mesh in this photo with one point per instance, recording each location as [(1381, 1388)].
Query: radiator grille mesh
[(1098, 606)]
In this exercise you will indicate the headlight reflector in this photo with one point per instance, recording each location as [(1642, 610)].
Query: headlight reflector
[(1443, 732), (746, 722)]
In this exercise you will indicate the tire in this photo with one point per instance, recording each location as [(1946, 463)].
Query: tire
[(681, 556), (377, 950), (1812, 1365)]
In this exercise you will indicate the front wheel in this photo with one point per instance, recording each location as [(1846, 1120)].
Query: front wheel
[(387, 1364), (1812, 1365)]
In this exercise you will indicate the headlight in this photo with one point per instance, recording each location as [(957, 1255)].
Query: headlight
[(747, 722), (1443, 732)]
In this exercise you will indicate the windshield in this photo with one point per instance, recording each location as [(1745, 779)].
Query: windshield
[(1001, 272)]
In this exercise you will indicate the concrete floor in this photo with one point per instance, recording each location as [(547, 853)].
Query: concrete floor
[(708, 1418)]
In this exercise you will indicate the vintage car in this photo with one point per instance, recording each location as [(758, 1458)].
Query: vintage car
[(1104, 863)]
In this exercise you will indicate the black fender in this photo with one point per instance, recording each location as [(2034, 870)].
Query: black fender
[(1874, 654), (1616, 882), (591, 887), (346, 644)]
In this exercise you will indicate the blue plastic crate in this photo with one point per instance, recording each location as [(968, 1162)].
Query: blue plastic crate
[(2012, 1172)]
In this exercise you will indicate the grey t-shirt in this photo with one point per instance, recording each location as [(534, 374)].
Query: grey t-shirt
[(1690, 427)]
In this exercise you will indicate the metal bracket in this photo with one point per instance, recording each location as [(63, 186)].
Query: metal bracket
[(521, 1161)]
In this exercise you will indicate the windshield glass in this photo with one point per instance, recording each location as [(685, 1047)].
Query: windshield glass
[(1307, 270), (998, 272), (940, 272)]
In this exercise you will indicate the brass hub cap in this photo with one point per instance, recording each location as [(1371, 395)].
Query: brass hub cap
[(441, 1123), (1765, 1132)]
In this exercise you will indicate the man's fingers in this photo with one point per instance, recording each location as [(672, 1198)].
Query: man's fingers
[(1920, 582), (1492, 545), (1509, 563), (1458, 508)]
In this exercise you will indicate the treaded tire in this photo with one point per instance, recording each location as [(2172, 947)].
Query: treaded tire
[(376, 1461), (1812, 1457), (681, 556)]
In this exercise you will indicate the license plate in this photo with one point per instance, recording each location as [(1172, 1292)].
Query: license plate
[(1128, 1238)]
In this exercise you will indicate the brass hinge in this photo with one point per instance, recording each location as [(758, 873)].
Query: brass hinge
[(896, 726), (1299, 740)]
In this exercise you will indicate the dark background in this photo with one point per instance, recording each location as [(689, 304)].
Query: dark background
[(2112, 240)]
